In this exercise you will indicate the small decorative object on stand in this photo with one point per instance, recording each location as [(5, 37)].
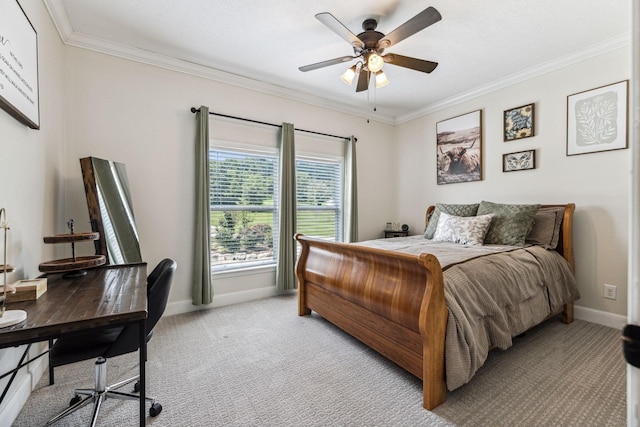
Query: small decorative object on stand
[(7, 317), (395, 230), (74, 266)]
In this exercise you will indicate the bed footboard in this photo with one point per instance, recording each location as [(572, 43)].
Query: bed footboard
[(392, 302)]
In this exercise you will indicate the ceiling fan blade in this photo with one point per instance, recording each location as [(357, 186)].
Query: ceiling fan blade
[(326, 63), (337, 27), (422, 20), (412, 63), (363, 81)]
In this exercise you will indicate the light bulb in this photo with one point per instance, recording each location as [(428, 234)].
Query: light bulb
[(375, 62), (348, 75), (381, 79)]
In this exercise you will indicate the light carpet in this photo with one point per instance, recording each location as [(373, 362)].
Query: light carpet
[(259, 364)]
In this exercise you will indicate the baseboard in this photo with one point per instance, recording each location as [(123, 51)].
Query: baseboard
[(600, 317), (21, 390), (611, 320), (222, 300)]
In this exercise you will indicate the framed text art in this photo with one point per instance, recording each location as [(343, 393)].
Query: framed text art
[(19, 94), (518, 122), (459, 145), (597, 119), (519, 161)]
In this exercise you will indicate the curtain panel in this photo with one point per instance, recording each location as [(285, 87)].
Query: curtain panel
[(285, 270), (350, 192), (202, 291)]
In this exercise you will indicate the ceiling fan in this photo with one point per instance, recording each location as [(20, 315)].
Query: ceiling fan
[(369, 46)]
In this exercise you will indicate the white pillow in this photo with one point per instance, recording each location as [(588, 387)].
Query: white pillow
[(467, 230)]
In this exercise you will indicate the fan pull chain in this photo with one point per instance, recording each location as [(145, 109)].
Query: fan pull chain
[(375, 97)]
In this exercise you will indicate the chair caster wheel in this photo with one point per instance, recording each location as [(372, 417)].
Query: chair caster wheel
[(155, 409), (75, 400), (136, 387)]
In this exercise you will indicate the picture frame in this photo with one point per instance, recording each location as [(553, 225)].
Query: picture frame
[(519, 161), (519, 122), (19, 90), (459, 148), (597, 119)]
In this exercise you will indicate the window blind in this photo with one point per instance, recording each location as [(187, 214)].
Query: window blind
[(319, 198), (243, 207)]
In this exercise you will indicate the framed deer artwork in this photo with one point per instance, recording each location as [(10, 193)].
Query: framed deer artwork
[(459, 148)]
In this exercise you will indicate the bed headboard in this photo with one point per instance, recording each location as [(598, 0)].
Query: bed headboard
[(565, 242)]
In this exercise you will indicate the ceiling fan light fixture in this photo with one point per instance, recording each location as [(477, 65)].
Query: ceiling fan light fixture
[(381, 79), (374, 62), (347, 76)]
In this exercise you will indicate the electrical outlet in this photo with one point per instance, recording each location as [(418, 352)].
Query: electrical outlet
[(610, 291)]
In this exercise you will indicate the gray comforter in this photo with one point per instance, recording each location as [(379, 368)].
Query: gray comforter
[(493, 293)]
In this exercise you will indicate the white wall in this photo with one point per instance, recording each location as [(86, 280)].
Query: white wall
[(598, 183), (32, 187), (139, 115)]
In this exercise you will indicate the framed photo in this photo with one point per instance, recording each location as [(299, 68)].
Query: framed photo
[(597, 119), (518, 122), (520, 161), (19, 93), (459, 148)]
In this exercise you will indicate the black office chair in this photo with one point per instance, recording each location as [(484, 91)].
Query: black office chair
[(106, 343)]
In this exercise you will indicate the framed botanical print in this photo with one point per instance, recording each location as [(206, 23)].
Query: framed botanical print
[(518, 122), (597, 119), (459, 145)]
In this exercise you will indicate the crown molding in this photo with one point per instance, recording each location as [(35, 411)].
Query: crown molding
[(73, 38), (536, 71), (84, 41)]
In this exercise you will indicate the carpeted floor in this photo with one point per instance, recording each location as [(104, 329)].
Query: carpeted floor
[(259, 364)]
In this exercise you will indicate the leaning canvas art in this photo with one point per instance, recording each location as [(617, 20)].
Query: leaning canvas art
[(459, 145)]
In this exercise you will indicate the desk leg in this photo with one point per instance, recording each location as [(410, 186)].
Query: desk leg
[(143, 358)]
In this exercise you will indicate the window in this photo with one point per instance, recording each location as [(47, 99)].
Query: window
[(244, 202), (319, 198), (244, 216)]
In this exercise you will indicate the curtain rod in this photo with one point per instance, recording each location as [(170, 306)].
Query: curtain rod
[(197, 110)]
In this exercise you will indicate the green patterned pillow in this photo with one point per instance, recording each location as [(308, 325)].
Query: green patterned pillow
[(456, 210), (511, 223)]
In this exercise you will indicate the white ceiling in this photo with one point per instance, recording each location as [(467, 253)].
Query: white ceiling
[(479, 45)]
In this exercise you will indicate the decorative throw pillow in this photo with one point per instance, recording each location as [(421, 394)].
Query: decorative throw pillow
[(511, 223), (457, 210), (465, 230), (546, 227)]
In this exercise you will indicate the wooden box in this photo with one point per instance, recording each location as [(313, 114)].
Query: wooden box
[(29, 289)]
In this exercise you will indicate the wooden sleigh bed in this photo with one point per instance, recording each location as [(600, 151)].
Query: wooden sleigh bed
[(394, 302)]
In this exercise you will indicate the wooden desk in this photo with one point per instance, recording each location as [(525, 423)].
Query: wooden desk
[(104, 297)]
